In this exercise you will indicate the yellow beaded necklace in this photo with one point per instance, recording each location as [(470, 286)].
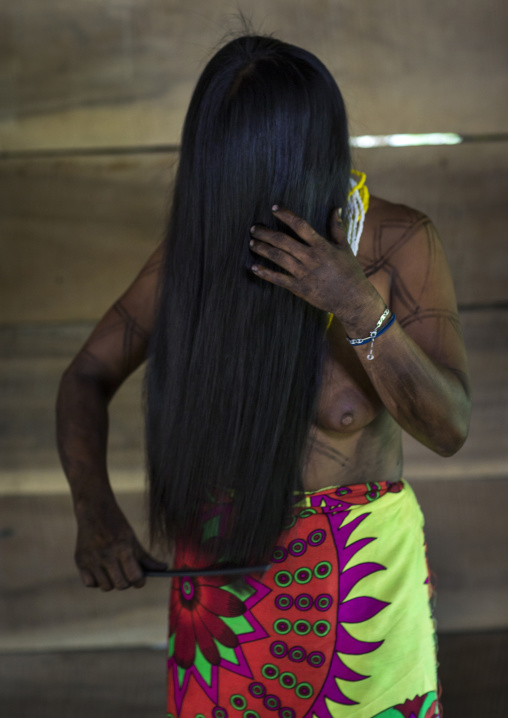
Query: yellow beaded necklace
[(354, 216)]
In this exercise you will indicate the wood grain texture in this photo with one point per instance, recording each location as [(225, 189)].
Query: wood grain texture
[(90, 73), (102, 684), (43, 603), (75, 231), (131, 683)]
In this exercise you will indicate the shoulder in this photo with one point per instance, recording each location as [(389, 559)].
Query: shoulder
[(381, 212), (391, 228)]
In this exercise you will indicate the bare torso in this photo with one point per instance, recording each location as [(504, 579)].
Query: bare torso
[(355, 439)]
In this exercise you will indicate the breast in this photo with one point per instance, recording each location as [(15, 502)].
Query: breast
[(348, 401)]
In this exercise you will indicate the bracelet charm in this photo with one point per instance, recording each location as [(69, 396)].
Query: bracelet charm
[(377, 331)]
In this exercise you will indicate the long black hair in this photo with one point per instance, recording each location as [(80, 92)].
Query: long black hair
[(235, 362)]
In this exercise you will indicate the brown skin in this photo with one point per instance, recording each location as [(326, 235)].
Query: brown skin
[(417, 380)]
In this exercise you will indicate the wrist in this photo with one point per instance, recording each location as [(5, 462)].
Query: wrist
[(93, 501), (361, 319)]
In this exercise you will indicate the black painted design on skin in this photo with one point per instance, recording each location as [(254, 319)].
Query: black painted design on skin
[(420, 315), (152, 266), (130, 327), (406, 295), (330, 452)]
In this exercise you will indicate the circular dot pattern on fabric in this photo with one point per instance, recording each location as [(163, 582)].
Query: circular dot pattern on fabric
[(303, 575), (287, 713), (282, 626), (290, 523), (316, 538), (238, 702), (322, 569), (287, 679), (284, 601), (297, 547), (283, 579), (250, 714), (257, 690), (323, 602), (343, 491), (303, 602), (316, 659), (279, 554), (270, 671), (304, 690), (301, 627), (297, 654), (306, 513), (278, 649), (187, 588), (321, 628), (374, 492), (271, 702), (219, 712)]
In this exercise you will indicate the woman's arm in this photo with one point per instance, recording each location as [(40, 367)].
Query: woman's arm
[(108, 553), (419, 368)]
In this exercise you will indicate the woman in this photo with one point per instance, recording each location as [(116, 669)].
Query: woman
[(282, 370)]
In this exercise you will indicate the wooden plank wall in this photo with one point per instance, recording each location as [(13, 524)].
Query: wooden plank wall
[(75, 228)]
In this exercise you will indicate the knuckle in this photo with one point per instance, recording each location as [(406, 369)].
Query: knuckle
[(133, 572), (277, 254), (300, 224)]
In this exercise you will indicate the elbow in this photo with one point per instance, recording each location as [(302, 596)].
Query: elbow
[(83, 377), (451, 436)]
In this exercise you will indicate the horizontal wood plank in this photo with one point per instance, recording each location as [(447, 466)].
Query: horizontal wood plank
[(90, 73), (43, 603), (131, 683), (75, 231)]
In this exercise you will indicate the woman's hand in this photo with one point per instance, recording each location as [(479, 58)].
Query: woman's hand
[(325, 274), (108, 554)]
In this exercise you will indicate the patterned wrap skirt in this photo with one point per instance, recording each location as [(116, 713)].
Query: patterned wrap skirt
[(340, 626)]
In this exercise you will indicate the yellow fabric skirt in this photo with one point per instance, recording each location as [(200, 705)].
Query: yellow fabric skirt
[(340, 626)]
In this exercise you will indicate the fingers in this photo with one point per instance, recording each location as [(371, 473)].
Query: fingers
[(103, 580), (281, 280), (124, 570), (106, 577), (298, 225), (133, 572), (88, 578), (284, 251)]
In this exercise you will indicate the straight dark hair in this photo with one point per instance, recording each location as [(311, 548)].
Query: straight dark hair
[(235, 362)]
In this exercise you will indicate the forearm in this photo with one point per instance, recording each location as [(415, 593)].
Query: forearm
[(427, 399), (82, 434)]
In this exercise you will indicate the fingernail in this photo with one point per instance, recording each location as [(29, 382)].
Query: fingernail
[(253, 228), (339, 213), (251, 243), (254, 267), (275, 208)]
